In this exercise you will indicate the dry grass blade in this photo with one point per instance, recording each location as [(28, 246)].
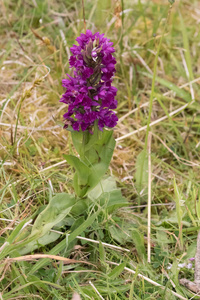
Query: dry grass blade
[(176, 111), (41, 256)]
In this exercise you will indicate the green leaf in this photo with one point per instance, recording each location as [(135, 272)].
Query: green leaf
[(171, 86), (107, 184), (15, 233), (106, 193), (84, 141), (77, 138), (179, 92), (138, 240), (78, 222), (112, 200), (80, 207), (103, 148), (118, 235), (105, 151), (81, 184), (46, 239), (57, 209), (62, 245), (117, 271), (162, 237), (81, 168), (191, 250), (80, 190)]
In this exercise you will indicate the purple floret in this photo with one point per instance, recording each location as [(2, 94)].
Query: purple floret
[(90, 95)]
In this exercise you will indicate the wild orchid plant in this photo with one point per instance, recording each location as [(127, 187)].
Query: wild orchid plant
[(90, 97)]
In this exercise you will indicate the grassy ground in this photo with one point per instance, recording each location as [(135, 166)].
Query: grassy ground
[(158, 76)]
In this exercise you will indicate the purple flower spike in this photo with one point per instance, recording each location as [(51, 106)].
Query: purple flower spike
[(90, 95)]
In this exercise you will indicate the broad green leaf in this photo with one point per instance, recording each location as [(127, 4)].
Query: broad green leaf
[(93, 138), (162, 237), (118, 235), (79, 207), (58, 207), (83, 226), (78, 222), (113, 200), (97, 172), (191, 250), (105, 185), (103, 148), (83, 141), (62, 245), (91, 157), (106, 193), (80, 190), (77, 138), (87, 143), (117, 271), (105, 152), (46, 239), (105, 142)]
